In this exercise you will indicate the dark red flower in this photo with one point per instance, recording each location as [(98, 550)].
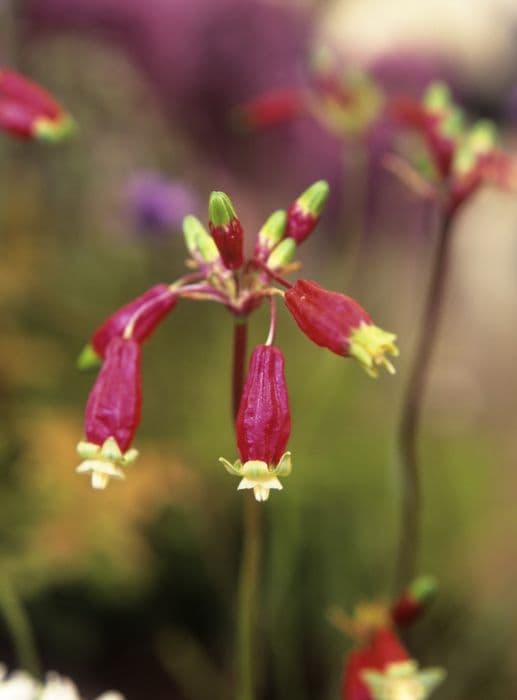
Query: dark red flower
[(273, 108), (263, 424), (339, 323), (112, 413), (414, 601), (146, 312), (28, 111)]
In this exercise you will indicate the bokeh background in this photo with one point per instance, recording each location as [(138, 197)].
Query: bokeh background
[(135, 588)]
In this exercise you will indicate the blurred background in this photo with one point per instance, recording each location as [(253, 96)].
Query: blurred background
[(134, 588)]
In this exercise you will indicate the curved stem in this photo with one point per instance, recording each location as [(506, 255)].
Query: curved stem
[(19, 627), (272, 325), (251, 539), (409, 536)]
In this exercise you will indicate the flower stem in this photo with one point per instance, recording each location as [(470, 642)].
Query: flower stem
[(251, 540), (19, 627), (411, 499)]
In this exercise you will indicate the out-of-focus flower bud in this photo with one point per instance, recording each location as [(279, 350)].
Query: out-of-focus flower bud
[(304, 213), (27, 111), (146, 312), (270, 234), (226, 230), (263, 425), (272, 109), (414, 601), (112, 414), (339, 323)]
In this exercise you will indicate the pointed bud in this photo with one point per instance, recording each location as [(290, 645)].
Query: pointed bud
[(199, 242), (263, 425), (402, 680), (112, 414), (270, 234), (144, 314), (414, 601), (226, 230), (304, 213), (383, 649), (339, 323), (437, 98), (283, 254), (27, 111)]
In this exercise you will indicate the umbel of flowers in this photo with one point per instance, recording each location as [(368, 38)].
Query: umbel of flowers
[(221, 273)]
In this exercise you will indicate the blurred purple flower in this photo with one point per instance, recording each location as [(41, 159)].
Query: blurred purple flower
[(157, 205)]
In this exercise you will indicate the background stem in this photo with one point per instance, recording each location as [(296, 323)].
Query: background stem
[(18, 625), (411, 500)]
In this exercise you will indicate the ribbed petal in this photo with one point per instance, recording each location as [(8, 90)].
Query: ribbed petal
[(264, 420)]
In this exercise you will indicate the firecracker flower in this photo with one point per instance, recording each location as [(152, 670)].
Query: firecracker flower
[(27, 111), (219, 273), (263, 425), (112, 414), (146, 312), (339, 323)]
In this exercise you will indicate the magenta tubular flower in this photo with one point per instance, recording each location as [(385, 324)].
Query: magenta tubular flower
[(146, 311), (304, 213), (112, 414), (226, 230), (27, 111), (263, 425), (339, 323)]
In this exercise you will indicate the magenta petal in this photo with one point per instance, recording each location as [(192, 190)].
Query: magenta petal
[(264, 421)]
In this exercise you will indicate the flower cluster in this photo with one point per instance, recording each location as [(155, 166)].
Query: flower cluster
[(381, 668), (27, 111), (19, 685), (221, 273)]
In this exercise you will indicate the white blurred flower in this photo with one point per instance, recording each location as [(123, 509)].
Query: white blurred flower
[(20, 686)]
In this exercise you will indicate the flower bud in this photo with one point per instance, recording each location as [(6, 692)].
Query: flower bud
[(146, 312), (270, 234), (304, 213), (414, 601), (226, 230), (263, 425), (339, 323), (27, 111), (282, 254), (271, 109), (112, 414), (198, 241)]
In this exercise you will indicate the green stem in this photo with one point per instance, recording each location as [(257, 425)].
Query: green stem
[(19, 627), (411, 502), (251, 541)]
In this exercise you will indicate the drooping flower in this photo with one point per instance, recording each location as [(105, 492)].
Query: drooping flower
[(339, 323), (27, 111), (382, 649), (226, 230), (145, 313), (263, 425), (112, 414), (304, 213)]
